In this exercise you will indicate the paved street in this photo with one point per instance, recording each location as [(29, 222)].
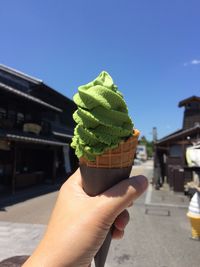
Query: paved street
[(158, 234)]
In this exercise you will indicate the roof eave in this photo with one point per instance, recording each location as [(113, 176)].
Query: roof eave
[(188, 100), (29, 97), (20, 74), (177, 135)]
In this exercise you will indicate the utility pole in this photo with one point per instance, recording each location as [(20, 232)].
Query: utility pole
[(155, 136)]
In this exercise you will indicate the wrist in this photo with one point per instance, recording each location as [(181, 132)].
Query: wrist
[(49, 254)]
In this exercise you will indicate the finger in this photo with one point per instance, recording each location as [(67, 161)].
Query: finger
[(130, 204), (118, 197), (75, 180), (117, 234), (122, 220)]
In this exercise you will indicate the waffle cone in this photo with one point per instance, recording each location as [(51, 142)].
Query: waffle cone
[(120, 157)]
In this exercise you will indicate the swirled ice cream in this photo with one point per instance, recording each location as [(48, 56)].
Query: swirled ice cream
[(102, 118), (194, 215), (194, 207)]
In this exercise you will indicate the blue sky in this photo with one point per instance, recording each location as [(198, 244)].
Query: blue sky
[(150, 48)]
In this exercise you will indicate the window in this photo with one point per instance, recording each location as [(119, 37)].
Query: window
[(11, 115), (28, 117), (175, 151), (2, 113), (20, 117)]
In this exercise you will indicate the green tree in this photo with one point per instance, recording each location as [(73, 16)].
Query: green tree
[(148, 144)]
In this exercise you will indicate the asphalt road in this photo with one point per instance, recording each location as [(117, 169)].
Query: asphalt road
[(157, 238)]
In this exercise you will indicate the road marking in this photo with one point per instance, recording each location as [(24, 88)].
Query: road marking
[(166, 205)]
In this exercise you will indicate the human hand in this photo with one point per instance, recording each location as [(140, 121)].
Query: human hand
[(79, 223)]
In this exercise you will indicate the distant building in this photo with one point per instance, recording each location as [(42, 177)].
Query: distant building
[(141, 152), (36, 128), (170, 160)]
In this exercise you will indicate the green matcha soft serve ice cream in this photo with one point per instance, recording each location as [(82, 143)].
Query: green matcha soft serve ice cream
[(102, 118)]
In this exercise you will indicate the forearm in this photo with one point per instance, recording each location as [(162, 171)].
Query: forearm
[(46, 255)]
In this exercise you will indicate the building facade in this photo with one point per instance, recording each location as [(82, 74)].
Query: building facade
[(170, 152), (36, 128)]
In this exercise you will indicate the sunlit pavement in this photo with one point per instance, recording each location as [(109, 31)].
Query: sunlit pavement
[(19, 238), (158, 234)]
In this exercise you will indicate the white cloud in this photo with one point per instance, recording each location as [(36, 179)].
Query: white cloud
[(195, 61), (192, 62)]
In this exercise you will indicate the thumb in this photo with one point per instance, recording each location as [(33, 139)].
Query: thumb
[(118, 197)]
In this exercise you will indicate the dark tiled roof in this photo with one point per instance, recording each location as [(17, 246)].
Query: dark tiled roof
[(39, 83), (27, 96), (189, 100), (20, 74)]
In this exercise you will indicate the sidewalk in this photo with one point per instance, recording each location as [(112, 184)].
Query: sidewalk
[(18, 238), (166, 197)]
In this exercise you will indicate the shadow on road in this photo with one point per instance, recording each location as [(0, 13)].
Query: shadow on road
[(16, 261), (25, 194)]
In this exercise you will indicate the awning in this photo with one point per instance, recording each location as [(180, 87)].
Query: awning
[(29, 97), (28, 139)]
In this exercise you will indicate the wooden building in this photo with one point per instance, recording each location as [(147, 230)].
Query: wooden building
[(36, 128), (170, 151)]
